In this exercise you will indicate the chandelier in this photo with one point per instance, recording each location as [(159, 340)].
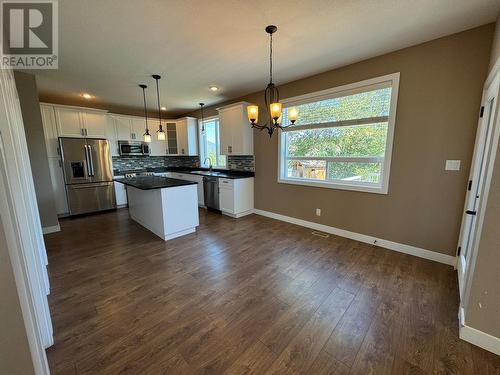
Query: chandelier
[(271, 99)]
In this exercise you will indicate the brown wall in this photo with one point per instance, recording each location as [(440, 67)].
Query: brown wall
[(439, 97), (15, 357), (483, 309), (33, 127)]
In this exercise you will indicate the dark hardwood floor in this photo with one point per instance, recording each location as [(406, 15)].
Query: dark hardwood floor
[(248, 296)]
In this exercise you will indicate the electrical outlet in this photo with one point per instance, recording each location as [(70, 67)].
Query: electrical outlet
[(318, 211)]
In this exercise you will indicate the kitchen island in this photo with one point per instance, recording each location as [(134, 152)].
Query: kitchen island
[(167, 207)]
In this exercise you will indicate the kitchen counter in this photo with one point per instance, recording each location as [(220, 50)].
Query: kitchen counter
[(222, 173), (153, 182)]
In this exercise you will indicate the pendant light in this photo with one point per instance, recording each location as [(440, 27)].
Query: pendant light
[(202, 122), (160, 134), (271, 98), (147, 136)]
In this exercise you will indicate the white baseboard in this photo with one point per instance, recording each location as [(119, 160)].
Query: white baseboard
[(480, 338), (53, 229), (402, 248)]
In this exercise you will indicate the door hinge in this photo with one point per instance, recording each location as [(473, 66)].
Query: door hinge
[(481, 112), (470, 185), (459, 250)]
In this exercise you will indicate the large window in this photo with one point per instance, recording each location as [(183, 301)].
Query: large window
[(210, 144), (343, 137)]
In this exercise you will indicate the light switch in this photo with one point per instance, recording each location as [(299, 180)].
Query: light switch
[(452, 165)]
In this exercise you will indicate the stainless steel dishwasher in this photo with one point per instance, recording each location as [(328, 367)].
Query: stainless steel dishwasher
[(211, 192)]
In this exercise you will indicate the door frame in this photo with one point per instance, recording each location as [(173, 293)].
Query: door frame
[(21, 224), (491, 89)]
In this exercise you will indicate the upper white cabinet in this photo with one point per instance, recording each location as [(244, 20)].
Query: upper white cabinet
[(187, 130), (236, 134), (79, 122), (158, 148), (95, 124)]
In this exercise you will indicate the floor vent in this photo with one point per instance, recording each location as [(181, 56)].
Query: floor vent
[(320, 234)]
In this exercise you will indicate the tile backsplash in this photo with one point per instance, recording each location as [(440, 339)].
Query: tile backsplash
[(240, 163), (141, 162)]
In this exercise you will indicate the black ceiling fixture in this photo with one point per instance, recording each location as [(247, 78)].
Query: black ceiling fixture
[(147, 136), (271, 98), (160, 134)]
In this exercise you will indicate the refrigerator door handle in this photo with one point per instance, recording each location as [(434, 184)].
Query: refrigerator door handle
[(91, 161), (87, 161)]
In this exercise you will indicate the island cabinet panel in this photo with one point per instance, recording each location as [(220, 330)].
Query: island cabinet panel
[(167, 212), (236, 134)]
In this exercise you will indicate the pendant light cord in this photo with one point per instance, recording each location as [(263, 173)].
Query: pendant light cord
[(145, 108), (271, 59), (158, 97)]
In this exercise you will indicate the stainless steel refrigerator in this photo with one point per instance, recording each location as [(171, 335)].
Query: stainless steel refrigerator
[(88, 174)]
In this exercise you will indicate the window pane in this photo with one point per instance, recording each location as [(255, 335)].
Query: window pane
[(309, 169), (355, 172), (373, 103), (359, 140), (211, 144)]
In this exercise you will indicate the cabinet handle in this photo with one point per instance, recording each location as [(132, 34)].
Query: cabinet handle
[(58, 151), (60, 164), (225, 182), (81, 131)]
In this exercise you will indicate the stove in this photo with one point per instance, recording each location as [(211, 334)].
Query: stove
[(139, 174)]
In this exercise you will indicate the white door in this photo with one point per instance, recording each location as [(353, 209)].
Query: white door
[(475, 190), (69, 122), (226, 123), (95, 124)]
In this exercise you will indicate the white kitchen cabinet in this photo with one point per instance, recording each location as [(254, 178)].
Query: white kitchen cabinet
[(236, 196), (50, 130), (158, 148), (80, 122), (236, 134), (69, 122), (138, 128), (95, 124), (123, 126), (187, 133), (121, 194), (172, 145), (58, 187)]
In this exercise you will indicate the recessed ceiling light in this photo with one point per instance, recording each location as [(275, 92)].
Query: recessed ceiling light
[(163, 108), (213, 88), (87, 96)]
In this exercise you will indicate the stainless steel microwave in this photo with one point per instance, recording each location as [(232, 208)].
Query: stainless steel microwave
[(134, 148)]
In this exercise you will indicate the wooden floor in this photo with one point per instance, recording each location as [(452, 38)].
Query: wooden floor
[(248, 296)]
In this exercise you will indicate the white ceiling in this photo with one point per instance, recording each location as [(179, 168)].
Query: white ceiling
[(108, 47)]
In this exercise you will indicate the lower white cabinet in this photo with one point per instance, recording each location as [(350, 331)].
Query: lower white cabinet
[(236, 196), (121, 194), (58, 187)]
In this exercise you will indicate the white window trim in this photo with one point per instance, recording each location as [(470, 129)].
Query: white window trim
[(203, 151), (383, 187)]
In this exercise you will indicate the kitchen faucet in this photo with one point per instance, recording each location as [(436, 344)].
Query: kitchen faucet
[(209, 164)]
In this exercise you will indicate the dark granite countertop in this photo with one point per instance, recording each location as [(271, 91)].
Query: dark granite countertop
[(223, 173), (153, 182)]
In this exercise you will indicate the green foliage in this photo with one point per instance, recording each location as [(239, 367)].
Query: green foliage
[(347, 141)]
